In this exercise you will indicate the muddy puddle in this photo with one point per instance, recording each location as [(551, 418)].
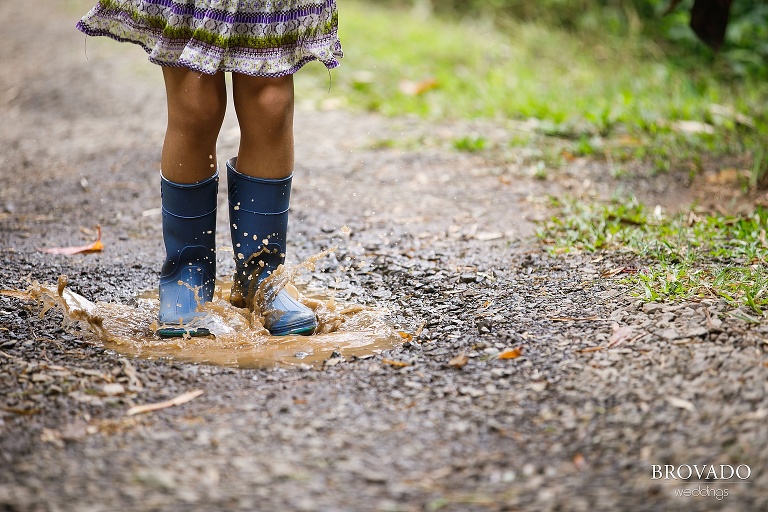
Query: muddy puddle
[(238, 340)]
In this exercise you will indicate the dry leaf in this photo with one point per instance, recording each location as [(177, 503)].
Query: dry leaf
[(406, 336), (590, 349), (580, 462), (573, 318), (392, 362), (113, 389), (619, 270), (620, 335), (692, 127), (418, 88), (511, 353), (727, 176), (69, 251), (459, 361), (20, 411), (179, 400), (681, 403)]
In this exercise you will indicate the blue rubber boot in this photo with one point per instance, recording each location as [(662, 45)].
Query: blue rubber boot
[(188, 277), (258, 218)]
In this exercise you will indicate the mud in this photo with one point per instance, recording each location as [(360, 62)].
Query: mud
[(238, 338), (523, 381)]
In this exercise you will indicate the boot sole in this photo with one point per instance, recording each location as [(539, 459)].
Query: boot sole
[(180, 332), (304, 330)]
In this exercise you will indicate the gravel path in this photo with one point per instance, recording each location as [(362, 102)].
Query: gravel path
[(532, 382)]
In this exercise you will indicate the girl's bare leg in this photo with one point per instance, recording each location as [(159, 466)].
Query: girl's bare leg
[(196, 106), (264, 108)]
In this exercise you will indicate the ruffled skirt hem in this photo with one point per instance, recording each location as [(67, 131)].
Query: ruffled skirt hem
[(273, 39)]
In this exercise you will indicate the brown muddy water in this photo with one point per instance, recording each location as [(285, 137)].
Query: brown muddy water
[(239, 338)]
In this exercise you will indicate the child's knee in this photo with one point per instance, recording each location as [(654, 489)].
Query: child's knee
[(203, 108), (269, 98)]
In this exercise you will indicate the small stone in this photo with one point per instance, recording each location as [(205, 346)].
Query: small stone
[(652, 307), (470, 391), (609, 294), (697, 331), (670, 334), (113, 389)]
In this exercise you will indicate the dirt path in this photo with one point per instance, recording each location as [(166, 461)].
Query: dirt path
[(440, 238)]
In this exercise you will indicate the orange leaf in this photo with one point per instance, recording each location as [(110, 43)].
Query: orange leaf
[(459, 361), (418, 88), (69, 251), (406, 336), (580, 462), (391, 362), (511, 353)]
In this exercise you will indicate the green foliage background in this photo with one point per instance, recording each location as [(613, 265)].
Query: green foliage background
[(745, 52)]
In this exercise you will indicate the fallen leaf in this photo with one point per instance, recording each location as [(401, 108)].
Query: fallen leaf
[(725, 177), (681, 403), (113, 389), (133, 377), (580, 462), (573, 318), (49, 435), (69, 251), (418, 88), (620, 335), (487, 236), (406, 336), (619, 270), (459, 361), (179, 400), (392, 362), (590, 349), (511, 353), (471, 392), (627, 141), (20, 411), (692, 127)]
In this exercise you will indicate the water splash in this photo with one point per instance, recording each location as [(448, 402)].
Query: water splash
[(240, 339)]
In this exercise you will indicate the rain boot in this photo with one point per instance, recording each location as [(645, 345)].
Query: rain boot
[(188, 276), (258, 218)]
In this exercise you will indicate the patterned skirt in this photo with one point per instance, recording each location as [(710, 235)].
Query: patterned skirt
[(267, 38)]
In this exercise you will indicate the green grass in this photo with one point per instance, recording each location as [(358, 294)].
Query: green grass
[(578, 87), (620, 99), (688, 255)]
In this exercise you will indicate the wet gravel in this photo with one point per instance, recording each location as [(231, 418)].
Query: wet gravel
[(529, 382)]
